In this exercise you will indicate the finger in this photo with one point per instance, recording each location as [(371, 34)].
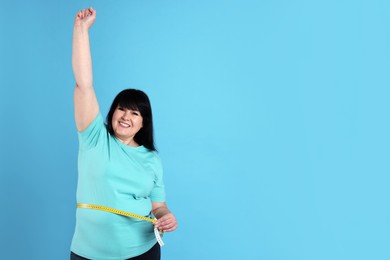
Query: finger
[(169, 218), (165, 217), (161, 222), (168, 226), (167, 223), (85, 13), (171, 229)]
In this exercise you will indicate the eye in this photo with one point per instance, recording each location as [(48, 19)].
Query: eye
[(135, 113), (121, 108)]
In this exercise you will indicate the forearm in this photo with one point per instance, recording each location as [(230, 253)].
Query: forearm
[(161, 211), (81, 57)]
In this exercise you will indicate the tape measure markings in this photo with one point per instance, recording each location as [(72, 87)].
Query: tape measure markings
[(115, 211), (123, 213)]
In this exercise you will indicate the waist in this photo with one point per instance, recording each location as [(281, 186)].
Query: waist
[(116, 211)]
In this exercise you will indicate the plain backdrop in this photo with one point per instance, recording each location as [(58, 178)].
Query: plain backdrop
[(271, 118)]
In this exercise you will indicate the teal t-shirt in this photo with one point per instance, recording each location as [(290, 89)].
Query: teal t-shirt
[(118, 176)]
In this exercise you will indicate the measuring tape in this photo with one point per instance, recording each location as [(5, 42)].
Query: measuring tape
[(126, 214)]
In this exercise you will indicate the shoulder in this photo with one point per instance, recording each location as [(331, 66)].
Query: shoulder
[(155, 160), (94, 134), (156, 156), (96, 123)]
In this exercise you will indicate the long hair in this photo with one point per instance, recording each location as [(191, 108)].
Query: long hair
[(135, 99)]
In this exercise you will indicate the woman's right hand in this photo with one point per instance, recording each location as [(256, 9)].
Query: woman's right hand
[(85, 18)]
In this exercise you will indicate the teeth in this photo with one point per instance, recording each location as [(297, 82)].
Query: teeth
[(123, 124)]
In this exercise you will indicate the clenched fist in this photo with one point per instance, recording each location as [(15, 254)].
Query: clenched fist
[(85, 18)]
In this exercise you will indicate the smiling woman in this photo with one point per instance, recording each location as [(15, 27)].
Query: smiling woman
[(118, 167), (132, 111), (126, 124)]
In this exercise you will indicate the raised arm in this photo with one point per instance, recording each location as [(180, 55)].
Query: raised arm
[(85, 103)]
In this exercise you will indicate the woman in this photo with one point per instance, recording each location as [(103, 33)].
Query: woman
[(118, 167)]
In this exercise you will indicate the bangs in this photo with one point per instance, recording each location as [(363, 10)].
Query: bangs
[(128, 105), (131, 101)]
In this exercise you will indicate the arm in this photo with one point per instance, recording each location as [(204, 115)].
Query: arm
[(85, 102), (166, 221)]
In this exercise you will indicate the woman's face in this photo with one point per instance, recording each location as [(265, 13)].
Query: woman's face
[(126, 123)]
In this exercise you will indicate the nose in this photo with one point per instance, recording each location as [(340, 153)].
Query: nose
[(126, 115)]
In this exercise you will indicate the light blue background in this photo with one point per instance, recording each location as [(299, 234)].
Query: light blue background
[(271, 118)]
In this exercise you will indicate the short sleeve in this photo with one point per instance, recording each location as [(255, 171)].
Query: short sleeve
[(158, 192), (94, 133)]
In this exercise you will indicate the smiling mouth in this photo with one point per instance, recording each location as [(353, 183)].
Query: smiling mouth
[(124, 124)]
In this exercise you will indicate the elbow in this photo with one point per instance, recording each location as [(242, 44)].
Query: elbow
[(84, 85)]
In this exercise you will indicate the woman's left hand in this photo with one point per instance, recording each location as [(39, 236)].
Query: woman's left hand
[(166, 223)]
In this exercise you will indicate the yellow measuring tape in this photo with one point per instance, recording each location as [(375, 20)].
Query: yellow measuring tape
[(123, 213), (115, 211)]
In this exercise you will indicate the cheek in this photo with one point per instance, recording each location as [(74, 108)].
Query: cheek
[(114, 121), (116, 116)]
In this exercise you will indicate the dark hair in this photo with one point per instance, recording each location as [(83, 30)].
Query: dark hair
[(136, 100)]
